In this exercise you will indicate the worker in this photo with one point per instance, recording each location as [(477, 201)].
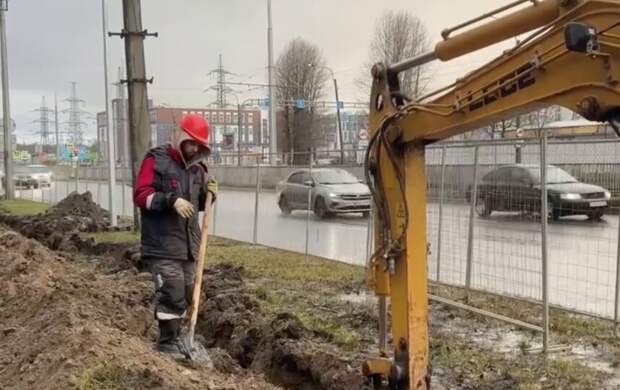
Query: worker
[(171, 188)]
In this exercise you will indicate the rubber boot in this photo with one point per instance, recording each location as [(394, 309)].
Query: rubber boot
[(168, 336)]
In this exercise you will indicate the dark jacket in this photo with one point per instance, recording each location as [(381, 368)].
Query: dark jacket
[(162, 179)]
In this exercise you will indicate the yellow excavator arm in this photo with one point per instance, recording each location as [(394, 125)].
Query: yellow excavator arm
[(572, 59)]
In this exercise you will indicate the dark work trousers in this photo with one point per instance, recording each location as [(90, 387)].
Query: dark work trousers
[(173, 287)]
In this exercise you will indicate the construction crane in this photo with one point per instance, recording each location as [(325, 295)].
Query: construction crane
[(571, 59)]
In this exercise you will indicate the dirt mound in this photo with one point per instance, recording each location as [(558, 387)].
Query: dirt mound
[(58, 228), (81, 206), (65, 325), (279, 345)]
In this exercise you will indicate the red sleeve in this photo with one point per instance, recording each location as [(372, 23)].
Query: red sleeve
[(144, 182)]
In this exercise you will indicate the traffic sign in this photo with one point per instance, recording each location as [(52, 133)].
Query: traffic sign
[(340, 104), (300, 103)]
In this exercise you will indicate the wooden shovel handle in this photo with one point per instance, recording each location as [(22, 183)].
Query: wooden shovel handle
[(199, 268)]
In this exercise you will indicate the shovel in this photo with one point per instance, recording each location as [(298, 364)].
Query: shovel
[(193, 350)]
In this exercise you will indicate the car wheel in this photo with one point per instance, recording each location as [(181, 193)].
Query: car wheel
[(595, 216), (284, 206), (483, 207), (320, 208), (553, 213)]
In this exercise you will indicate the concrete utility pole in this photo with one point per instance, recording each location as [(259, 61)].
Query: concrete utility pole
[(139, 122), (6, 109), (273, 136), (108, 121)]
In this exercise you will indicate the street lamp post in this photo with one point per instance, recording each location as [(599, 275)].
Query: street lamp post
[(340, 139), (109, 126)]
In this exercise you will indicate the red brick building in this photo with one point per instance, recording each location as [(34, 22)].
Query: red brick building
[(224, 123)]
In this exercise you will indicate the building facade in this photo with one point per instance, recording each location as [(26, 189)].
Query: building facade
[(224, 124)]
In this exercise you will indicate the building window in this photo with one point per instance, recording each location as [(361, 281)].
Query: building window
[(228, 117), (251, 117), (235, 117), (243, 118), (221, 117), (250, 134)]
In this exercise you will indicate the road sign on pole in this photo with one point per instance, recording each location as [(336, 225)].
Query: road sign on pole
[(300, 103)]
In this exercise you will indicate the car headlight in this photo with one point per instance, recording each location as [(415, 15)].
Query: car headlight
[(570, 196), (333, 195), (607, 195)]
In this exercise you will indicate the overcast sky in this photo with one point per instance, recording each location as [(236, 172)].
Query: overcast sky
[(51, 43)]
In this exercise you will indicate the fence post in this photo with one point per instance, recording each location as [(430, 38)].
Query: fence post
[(77, 176), (441, 199), (123, 194), (369, 234), (256, 203), (617, 301), (308, 210), (543, 244), (215, 216), (472, 217)]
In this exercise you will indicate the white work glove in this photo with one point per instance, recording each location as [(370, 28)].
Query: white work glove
[(184, 208)]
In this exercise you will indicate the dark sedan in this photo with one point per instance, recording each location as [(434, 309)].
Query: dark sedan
[(517, 188)]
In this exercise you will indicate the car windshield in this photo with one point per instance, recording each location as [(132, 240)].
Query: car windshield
[(555, 175), (335, 177)]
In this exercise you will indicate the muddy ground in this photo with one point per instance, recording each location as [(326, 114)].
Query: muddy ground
[(75, 313)]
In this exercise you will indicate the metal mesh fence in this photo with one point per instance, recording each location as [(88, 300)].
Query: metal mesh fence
[(500, 238)]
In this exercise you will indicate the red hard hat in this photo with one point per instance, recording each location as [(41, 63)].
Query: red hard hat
[(196, 127)]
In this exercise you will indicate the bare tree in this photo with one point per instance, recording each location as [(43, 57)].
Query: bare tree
[(538, 120), (300, 75), (399, 35)]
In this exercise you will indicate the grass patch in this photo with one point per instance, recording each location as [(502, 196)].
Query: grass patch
[(473, 367), (113, 236), (330, 330), (568, 326), (22, 207), (284, 266), (112, 376)]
